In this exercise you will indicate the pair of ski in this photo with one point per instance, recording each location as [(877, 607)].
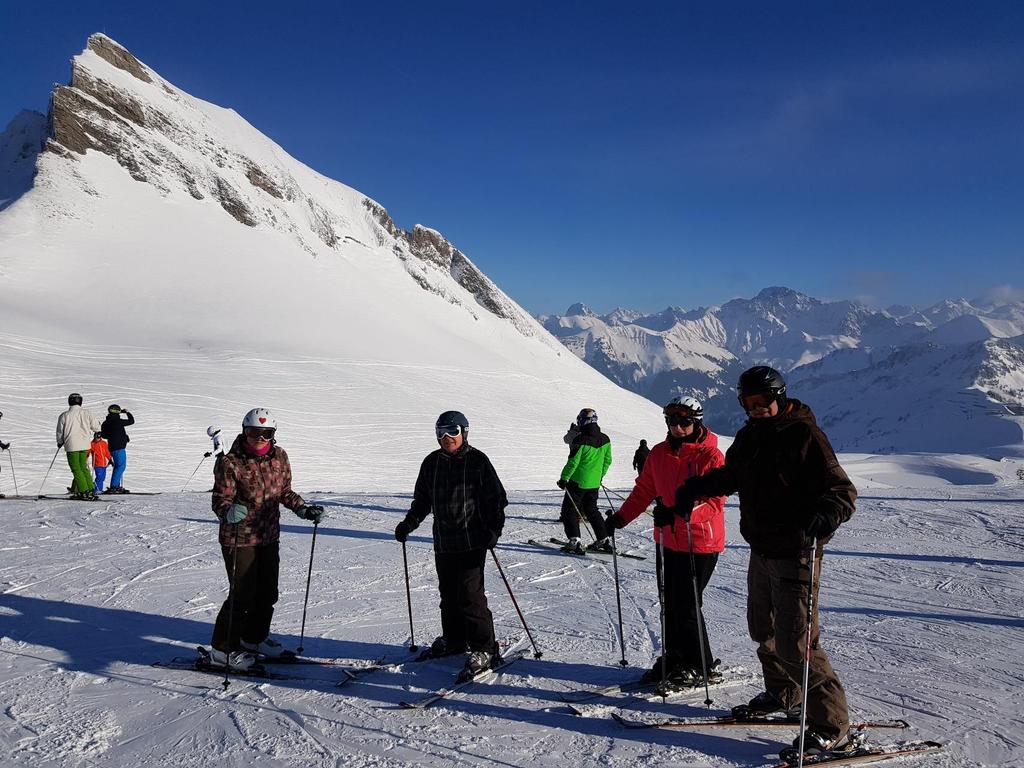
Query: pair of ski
[(557, 544), (459, 684), (584, 705), (861, 753), (203, 662)]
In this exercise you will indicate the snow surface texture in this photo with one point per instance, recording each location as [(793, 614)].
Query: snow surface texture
[(170, 258), (921, 609), (878, 376)]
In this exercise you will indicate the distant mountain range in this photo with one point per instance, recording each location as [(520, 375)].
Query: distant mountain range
[(947, 378)]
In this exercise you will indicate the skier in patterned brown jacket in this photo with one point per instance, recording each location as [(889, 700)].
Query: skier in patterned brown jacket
[(251, 481)]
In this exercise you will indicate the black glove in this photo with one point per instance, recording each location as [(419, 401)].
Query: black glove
[(561, 483), (208, 454), (663, 515), (822, 524), (493, 541), (402, 531), (312, 512), (613, 521), (684, 503), (4, 446)]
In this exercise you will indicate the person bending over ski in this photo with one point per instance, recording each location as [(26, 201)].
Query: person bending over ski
[(590, 455), (688, 450), (459, 485), (115, 434), (792, 492), (75, 428), (251, 482)]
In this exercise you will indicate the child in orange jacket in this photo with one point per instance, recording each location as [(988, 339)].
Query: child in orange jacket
[(99, 452)]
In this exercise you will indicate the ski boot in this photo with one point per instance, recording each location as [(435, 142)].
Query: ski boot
[(574, 547), (816, 744), (478, 661), (441, 648), (604, 545), (765, 703), (268, 647), (239, 661)]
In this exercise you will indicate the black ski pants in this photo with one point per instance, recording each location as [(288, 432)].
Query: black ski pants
[(683, 634), (255, 593), (466, 620), (581, 501)]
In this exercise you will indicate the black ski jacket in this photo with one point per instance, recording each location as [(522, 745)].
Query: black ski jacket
[(785, 472), (467, 499), (113, 429)]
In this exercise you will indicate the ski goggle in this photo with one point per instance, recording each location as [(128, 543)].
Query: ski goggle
[(256, 433), (679, 420), (757, 400), (452, 430)]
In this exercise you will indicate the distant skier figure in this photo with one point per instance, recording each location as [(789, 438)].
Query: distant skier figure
[(75, 428), (792, 491), (640, 457), (116, 436), (252, 480), (458, 484), (99, 452), (590, 455), (218, 445), (3, 447), (688, 450)]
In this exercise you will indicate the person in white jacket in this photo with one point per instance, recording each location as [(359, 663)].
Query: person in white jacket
[(75, 428)]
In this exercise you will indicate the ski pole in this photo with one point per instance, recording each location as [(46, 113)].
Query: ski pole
[(40, 494), (231, 606), (580, 515), (192, 475), (699, 607), (618, 597), (10, 457), (536, 651), (309, 575), (612, 490), (408, 600), (808, 650)]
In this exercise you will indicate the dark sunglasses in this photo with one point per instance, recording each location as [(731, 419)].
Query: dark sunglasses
[(255, 432), (452, 431), (757, 400), (679, 420)]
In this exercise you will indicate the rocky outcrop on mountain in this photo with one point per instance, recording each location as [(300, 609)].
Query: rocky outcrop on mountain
[(117, 106)]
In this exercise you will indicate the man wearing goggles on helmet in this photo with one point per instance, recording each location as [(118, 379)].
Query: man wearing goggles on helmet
[(458, 484), (689, 449), (792, 493)]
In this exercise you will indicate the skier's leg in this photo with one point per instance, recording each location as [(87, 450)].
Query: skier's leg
[(119, 464), (448, 584), (588, 506), (689, 626), (478, 623), (242, 589), (101, 477), (79, 463), (570, 517), (827, 710), (778, 680), (260, 609)]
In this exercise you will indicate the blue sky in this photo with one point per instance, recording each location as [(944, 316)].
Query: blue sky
[(639, 154)]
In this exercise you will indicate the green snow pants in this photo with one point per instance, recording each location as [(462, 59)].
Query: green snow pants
[(79, 463)]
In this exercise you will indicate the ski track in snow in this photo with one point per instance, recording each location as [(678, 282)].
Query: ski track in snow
[(921, 611)]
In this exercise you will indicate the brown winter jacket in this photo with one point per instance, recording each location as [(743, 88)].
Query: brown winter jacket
[(261, 483), (785, 472)]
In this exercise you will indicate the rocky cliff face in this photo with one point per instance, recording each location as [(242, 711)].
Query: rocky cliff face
[(161, 136)]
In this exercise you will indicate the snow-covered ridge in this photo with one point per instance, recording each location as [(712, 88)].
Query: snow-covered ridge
[(162, 136), (864, 370)]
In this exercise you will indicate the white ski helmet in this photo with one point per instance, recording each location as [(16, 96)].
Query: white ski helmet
[(686, 406), (259, 417), (211, 431)]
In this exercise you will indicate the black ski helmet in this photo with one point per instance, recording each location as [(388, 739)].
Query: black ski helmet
[(762, 378), (114, 408), (586, 416), (452, 419), (74, 399)]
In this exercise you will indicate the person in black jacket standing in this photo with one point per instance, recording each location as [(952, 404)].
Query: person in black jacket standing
[(459, 485), (117, 438)]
